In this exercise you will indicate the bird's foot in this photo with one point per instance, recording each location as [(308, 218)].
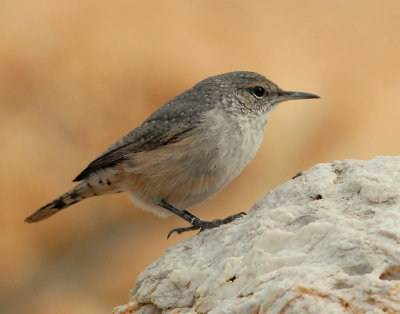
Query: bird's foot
[(203, 225)]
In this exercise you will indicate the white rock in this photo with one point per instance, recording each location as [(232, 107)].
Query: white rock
[(324, 242)]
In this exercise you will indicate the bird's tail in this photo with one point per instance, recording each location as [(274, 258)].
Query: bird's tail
[(76, 194)]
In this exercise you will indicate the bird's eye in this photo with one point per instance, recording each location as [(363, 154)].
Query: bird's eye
[(258, 91)]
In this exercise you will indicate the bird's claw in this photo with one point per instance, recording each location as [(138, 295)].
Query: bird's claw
[(203, 225), (180, 230)]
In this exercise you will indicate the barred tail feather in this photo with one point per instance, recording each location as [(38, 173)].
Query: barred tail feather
[(71, 197)]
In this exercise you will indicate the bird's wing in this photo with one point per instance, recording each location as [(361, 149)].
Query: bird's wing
[(134, 142), (171, 123)]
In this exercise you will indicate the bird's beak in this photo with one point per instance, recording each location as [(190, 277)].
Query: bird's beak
[(296, 95)]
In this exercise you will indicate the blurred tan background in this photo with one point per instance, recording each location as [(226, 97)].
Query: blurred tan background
[(77, 75)]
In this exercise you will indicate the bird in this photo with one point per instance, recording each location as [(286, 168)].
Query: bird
[(186, 151)]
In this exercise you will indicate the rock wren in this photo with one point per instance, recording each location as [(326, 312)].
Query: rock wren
[(186, 151)]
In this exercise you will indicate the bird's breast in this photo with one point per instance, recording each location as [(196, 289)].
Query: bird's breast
[(235, 142)]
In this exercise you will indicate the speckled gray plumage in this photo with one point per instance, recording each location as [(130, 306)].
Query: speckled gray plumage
[(173, 121)]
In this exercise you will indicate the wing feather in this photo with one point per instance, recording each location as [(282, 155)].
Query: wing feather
[(125, 150)]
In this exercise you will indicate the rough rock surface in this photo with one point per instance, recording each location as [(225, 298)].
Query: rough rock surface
[(324, 242)]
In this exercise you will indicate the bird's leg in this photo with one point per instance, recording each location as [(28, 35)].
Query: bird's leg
[(196, 222)]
